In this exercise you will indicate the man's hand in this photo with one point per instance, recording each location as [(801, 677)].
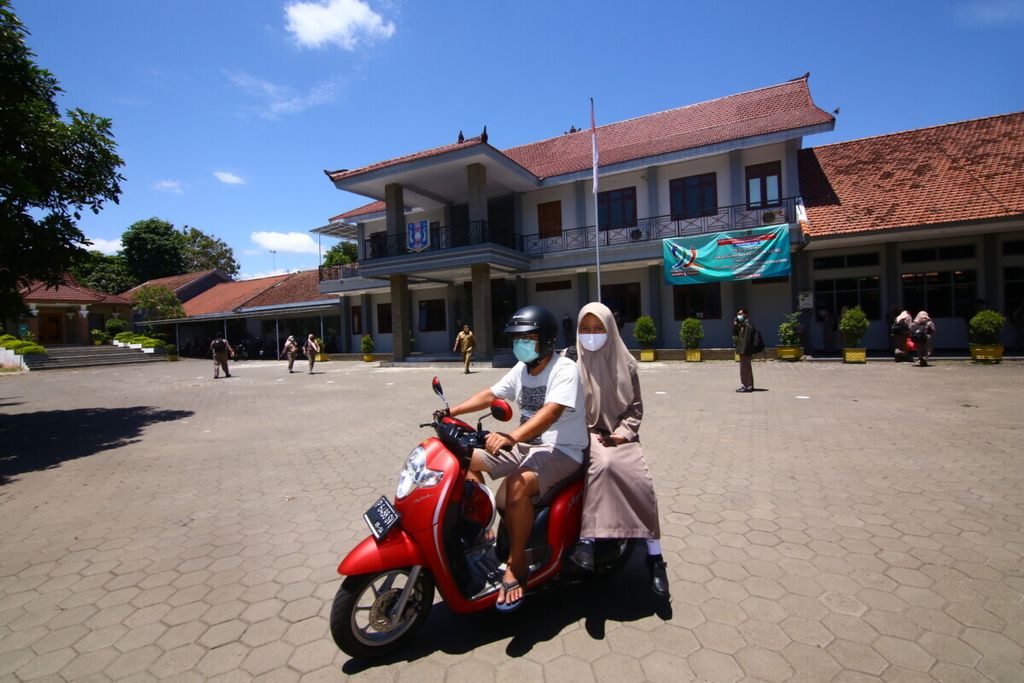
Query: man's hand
[(612, 440), (441, 414), (496, 441)]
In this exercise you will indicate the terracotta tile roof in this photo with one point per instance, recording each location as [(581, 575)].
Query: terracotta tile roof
[(436, 151), (956, 172), (174, 282), (227, 296), (68, 291), (772, 109), (300, 287)]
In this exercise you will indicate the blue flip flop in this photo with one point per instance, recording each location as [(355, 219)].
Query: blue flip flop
[(509, 586)]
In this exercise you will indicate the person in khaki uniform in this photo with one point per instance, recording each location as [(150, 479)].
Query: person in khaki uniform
[(465, 342), (291, 347), (221, 350), (311, 348)]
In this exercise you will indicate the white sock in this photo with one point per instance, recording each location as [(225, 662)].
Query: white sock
[(653, 546)]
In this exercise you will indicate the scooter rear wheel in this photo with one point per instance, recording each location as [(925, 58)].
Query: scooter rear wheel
[(362, 623)]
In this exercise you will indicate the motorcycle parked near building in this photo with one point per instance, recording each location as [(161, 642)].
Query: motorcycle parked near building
[(435, 536)]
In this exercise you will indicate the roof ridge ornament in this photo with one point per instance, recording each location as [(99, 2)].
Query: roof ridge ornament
[(483, 135)]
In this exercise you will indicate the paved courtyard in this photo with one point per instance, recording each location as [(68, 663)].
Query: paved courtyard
[(844, 523)]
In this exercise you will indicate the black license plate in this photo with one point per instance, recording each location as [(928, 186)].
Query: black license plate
[(381, 517)]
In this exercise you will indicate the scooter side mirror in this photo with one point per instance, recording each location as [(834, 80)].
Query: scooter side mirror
[(436, 384), (501, 410)]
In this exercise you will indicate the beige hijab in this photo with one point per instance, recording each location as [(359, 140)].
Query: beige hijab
[(606, 373)]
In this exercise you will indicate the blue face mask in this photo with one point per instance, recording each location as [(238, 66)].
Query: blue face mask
[(525, 350)]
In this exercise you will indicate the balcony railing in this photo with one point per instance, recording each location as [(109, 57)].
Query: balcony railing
[(339, 272), (380, 245), (738, 217)]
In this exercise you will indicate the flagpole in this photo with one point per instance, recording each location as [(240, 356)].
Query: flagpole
[(597, 221)]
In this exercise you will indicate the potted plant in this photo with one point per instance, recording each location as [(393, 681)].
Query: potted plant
[(691, 333), (986, 328), (366, 346), (852, 325), (172, 351), (789, 347), (646, 334), (322, 356)]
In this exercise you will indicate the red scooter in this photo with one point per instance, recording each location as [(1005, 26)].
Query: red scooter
[(436, 534)]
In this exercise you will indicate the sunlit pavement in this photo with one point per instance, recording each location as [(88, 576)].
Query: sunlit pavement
[(841, 523)]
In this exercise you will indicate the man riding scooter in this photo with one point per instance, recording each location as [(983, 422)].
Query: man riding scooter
[(548, 445)]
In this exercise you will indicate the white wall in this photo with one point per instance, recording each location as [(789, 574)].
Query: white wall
[(561, 302), (430, 342), (719, 165)]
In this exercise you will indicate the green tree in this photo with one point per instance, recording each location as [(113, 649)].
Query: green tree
[(104, 273), (50, 170), (157, 303), (341, 253), (153, 248), (203, 252)]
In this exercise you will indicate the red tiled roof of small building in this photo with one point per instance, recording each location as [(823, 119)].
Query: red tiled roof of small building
[(962, 171), (300, 287), (227, 296), (68, 291), (772, 109), (174, 282), (436, 151)]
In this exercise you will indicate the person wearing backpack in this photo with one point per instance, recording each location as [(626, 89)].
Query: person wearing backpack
[(921, 332), (748, 342), (900, 332), (311, 348), (291, 347), (221, 350)]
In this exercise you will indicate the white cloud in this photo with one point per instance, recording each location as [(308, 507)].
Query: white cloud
[(245, 275), (345, 23), (171, 186), (992, 12), (282, 99), (106, 246), (285, 242), (229, 178)]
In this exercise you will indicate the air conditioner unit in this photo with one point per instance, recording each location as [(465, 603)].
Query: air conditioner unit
[(769, 216), (638, 234)]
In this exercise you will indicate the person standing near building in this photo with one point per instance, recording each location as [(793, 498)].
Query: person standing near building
[(291, 347), (743, 334), (465, 342), (921, 332), (221, 350), (311, 348)]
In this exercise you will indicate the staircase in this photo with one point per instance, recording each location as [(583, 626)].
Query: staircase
[(90, 356)]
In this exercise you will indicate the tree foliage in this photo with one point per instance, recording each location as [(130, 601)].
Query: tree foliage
[(341, 253), (152, 249), (203, 252), (104, 273), (51, 169), (157, 303)]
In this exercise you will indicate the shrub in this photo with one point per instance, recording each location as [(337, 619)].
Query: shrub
[(99, 336), (123, 336), (7, 337), (645, 332), (986, 326), (171, 349), (114, 326), (366, 344), (29, 347), (149, 342), (691, 333), (789, 334), (853, 325)]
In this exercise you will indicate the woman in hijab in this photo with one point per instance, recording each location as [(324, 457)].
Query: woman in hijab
[(923, 328), (619, 500), (291, 347)]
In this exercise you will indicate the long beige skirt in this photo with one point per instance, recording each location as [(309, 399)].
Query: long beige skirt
[(619, 495)]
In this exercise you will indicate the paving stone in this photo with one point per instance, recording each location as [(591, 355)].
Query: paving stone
[(714, 666)]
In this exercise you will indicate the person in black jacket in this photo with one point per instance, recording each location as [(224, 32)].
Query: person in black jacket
[(743, 336)]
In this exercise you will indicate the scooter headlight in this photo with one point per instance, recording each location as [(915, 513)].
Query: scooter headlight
[(415, 474)]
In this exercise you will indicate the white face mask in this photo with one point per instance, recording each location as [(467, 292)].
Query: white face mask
[(593, 342)]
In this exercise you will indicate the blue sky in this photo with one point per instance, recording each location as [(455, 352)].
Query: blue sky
[(227, 112)]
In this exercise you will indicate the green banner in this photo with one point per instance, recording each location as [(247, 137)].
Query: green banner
[(738, 255)]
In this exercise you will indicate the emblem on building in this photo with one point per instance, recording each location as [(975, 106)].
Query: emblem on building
[(417, 235)]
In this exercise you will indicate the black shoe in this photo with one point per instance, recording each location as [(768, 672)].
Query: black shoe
[(583, 555), (659, 577)]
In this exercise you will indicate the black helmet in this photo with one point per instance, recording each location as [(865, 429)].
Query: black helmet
[(538, 319)]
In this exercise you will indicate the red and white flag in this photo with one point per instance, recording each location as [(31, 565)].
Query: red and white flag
[(593, 140)]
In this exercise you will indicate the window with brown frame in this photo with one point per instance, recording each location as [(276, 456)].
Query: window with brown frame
[(549, 219), (693, 196), (764, 185), (702, 301), (617, 208)]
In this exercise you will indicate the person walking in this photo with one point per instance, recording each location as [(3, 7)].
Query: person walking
[(311, 348), (465, 342), (900, 332), (921, 332), (618, 500), (291, 347), (743, 333), (221, 350)]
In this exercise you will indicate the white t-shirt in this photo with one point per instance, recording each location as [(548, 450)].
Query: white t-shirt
[(559, 382)]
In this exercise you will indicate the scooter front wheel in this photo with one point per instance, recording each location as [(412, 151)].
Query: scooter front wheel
[(365, 622)]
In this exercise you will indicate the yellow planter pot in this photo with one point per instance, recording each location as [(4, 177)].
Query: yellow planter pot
[(693, 355), (855, 355), (368, 357), (172, 356), (987, 353), (646, 355), (322, 358), (736, 357), (789, 353)]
